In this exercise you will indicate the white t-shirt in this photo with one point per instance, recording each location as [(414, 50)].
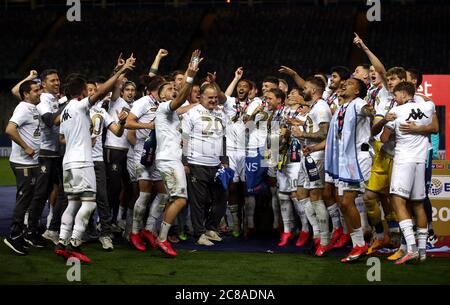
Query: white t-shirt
[(75, 126), (113, 141), (99, 119), (320, 113), (411, 147), (145, 111), (168, 135), (383, 103), (258, 128), (49, 136), (235, 127), (204, 130), (27, 119)]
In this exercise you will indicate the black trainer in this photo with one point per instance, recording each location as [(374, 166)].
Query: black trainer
[(35, 240), (16, 245)]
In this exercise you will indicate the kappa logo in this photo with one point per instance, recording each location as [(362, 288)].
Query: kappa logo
[(416, 115), (65, 115)]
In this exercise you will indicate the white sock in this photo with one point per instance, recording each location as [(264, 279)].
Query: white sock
[(287, 214), (407, 229), (361, 206), (229, 217), (139, 210), (323, 219), (311, 215), (234, 210), (67, 220), (333, 211), (82, 219), (120, 214), (422, 235), (250, 204), (49, 216), (164, 231), (276, 207), (299, 207), (156, 211), (357, 237)]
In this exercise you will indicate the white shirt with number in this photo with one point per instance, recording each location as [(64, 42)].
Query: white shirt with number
[(99, 119), (411, 147), (49, 135), (27, 119), (204, 130), (75, 126)]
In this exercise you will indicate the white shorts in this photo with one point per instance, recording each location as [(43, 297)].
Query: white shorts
[(350, 187), (329, 179), (365, 164), (408, 180), (237, 163), (301, 175), (147, 173), (287, 177), (79, 180), (131, 168), (318, 184), (174, 177)]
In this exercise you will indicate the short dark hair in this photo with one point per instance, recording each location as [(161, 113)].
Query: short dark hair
[(161, 87), (75, 85), (278, 93), (249, 82), (324, 76), (91, 82), (362, 88), (154, 83), (317, 82), (407, 87), (399, 71), (176, 72), (417, 75), (46, 73), (365, 66), (271, 79), (25, 87), (343, 72)]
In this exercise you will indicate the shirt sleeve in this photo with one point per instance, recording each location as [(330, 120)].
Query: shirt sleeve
[(323, 114), (137, 109), (108, 118), (251, 108), (19, 118), (45, 106)]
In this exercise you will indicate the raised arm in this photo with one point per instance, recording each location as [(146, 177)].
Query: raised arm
[(187, 84), (299, 81), (376, 63), (212, 80), (15, 90), (107, 86), (118, 87), (237, 76), (155, 65)]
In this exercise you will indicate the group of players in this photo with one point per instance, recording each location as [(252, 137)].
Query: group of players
[(353, 148)]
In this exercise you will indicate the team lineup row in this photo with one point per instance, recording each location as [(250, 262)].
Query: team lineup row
[(337, 148)]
